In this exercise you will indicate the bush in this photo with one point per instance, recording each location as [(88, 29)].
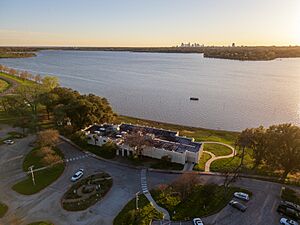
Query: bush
[(48, 138)]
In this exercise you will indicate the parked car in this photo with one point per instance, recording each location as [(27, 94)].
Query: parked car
[(238, 205), (9, 142), (288, 210), (291, 205), (242, 196), (197, 221), (286, 221), (77, 175)]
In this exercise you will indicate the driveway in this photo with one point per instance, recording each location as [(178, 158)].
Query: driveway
[(45, 205)]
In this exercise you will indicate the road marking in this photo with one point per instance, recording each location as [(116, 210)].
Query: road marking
[(12, 159)]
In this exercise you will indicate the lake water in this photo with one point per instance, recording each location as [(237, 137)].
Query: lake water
[(233, 95)]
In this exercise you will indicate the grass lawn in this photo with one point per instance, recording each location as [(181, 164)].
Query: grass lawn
[(216, 149), (200, 134), (17, 79), (4, 85), (130, 216), (3, 209), (43, 178), (201, 165), (41, 223), (203, 201)]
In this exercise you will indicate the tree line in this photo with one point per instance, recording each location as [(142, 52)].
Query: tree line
[(277, 147), (68, 109)]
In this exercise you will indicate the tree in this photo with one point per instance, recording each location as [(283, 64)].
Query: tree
[(50, 82), (138, 140), (17, 107), (49, 100), (48, 138), (81, 110), (257, 140), (284, 148), (185, 183), (38, 78)]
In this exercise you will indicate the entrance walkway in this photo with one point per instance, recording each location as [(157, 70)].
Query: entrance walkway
[(165, 213)]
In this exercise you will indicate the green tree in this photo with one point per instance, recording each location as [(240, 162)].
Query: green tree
[(284, 148), (49, 100), (50, 82)]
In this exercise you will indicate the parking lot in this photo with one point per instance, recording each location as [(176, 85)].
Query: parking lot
[(45, 205)]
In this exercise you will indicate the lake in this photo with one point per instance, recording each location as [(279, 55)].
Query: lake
[(233, 95)]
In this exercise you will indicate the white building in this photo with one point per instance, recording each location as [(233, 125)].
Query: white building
[(163, 142)]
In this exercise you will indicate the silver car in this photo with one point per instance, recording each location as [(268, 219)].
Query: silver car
[(77, 175), (197, 221), (241, 195), (285, 221)]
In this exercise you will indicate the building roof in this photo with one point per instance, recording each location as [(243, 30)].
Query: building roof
[(166, 139)]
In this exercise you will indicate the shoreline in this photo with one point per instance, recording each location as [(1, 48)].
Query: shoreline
[(239, 53)]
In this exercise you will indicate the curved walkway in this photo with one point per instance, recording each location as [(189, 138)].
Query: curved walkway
[(14, 84), (214, 157)]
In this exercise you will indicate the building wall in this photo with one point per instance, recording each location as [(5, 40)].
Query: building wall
[(152, 152), (97, 140)]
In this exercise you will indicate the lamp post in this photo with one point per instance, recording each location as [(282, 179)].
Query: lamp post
[(32, 174)]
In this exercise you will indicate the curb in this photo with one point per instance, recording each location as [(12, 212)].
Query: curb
[(257, 177)]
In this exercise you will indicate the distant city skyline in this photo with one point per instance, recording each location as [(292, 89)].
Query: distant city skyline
[(155, 23)]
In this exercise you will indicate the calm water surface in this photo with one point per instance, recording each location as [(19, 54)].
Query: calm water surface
[(232, 95)]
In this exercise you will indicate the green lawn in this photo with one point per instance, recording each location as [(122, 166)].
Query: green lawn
[(216, 149), (17, 79), (201, 165), (130, 216), (4, 85), (200, 134), (43, 178), (3, 209), (203, 201)]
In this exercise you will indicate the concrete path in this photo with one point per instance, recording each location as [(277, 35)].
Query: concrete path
[(188, 166), (14, 85), (213, 157), (165, 213)]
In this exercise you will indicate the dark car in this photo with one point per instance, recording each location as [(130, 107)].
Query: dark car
[(291, 205), (287, 211), (238, 205)]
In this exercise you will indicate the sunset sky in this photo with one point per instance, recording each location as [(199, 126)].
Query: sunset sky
[(149, 22)]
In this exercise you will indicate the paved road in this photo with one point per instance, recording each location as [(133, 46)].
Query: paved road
[(126, 182)]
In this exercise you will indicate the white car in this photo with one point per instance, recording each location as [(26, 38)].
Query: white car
[(197, 221), (9, 142), (285, 221), (77, 175), (241, 195)]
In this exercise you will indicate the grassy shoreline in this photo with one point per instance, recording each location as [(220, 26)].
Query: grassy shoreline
[(198, 133)]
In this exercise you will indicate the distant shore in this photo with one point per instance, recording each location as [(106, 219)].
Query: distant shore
[(257, 53)]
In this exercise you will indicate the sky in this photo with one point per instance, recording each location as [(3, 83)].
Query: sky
[(150, 23)]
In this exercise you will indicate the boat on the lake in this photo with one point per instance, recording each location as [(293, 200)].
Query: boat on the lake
[(194, 98)]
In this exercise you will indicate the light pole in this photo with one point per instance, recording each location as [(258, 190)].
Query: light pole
[(137, 200), (32, 174)]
